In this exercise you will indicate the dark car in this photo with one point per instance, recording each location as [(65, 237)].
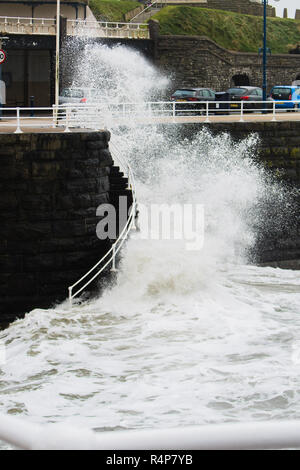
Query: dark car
[(221, 97), (192, 96), (251, 97)]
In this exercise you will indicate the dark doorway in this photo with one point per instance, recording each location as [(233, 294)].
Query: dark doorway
[(27, 73), (241, 80)]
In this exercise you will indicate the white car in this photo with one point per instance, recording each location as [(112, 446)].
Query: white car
[(78, 95)]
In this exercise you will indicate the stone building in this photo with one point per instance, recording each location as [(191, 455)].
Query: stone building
[(71, 9), (29, 69)]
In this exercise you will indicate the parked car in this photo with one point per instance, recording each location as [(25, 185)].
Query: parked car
[(78, 95), (285, 97), (191, 96), (248, 94), (221, 97)]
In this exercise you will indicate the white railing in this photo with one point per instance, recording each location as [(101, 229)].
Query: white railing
[(209, 111), (143, 11), (90, 28), (25, 25), (146, 9), (109, 259), (97, 116), (230, 436), (107, 29), (157, 4)]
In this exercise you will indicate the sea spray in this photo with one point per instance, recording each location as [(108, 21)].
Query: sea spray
[(182, 337)]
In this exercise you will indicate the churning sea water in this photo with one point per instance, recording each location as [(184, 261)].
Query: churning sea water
[(181, 337)]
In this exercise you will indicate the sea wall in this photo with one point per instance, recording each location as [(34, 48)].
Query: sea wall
[(50, 187)]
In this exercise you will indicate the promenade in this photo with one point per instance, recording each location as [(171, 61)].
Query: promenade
[(45, 124)]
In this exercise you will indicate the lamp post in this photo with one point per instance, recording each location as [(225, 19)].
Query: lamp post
[(57, 53), (264, 84), (265, 50)]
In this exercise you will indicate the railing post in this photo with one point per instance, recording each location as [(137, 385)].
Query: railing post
[(128, 177), (113, 267), (133, 227), (32, 106), (53, 116), (70, 298), (174, 109), (67, 120), (18, 130), (242, 111), (274, 111), (207, 112)]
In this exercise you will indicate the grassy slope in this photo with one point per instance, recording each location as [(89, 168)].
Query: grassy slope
[(112, 10), (231, 30)]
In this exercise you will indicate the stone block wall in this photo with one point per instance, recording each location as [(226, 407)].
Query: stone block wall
[(198, 61), (50, 187)]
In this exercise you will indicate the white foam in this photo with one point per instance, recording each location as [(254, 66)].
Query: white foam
[(182, 337)]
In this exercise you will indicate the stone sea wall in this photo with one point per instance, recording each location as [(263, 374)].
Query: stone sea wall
[(50, 187), (52, 184)]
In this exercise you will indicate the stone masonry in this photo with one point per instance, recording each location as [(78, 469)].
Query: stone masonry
[(199, 61), (50, 187)]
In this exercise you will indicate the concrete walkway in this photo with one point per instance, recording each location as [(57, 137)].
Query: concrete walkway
[(45, 125)]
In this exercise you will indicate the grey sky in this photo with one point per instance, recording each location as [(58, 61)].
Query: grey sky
[(291, 5)]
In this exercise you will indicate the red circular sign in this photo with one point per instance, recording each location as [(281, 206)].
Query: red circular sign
[(2, 56)]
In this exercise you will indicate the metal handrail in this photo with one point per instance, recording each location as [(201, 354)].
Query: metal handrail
[(162, 3), (95, 116), (105, 24), (16, 24), (108, 28), (22, 434), (31, 19), (110, 257), (143, 11)]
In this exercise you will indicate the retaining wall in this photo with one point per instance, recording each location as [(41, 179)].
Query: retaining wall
[(50, 188)]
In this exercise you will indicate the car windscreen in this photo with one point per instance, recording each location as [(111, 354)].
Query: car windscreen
[(72, 93), (185, 93), (237, 91), (282, 93)]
